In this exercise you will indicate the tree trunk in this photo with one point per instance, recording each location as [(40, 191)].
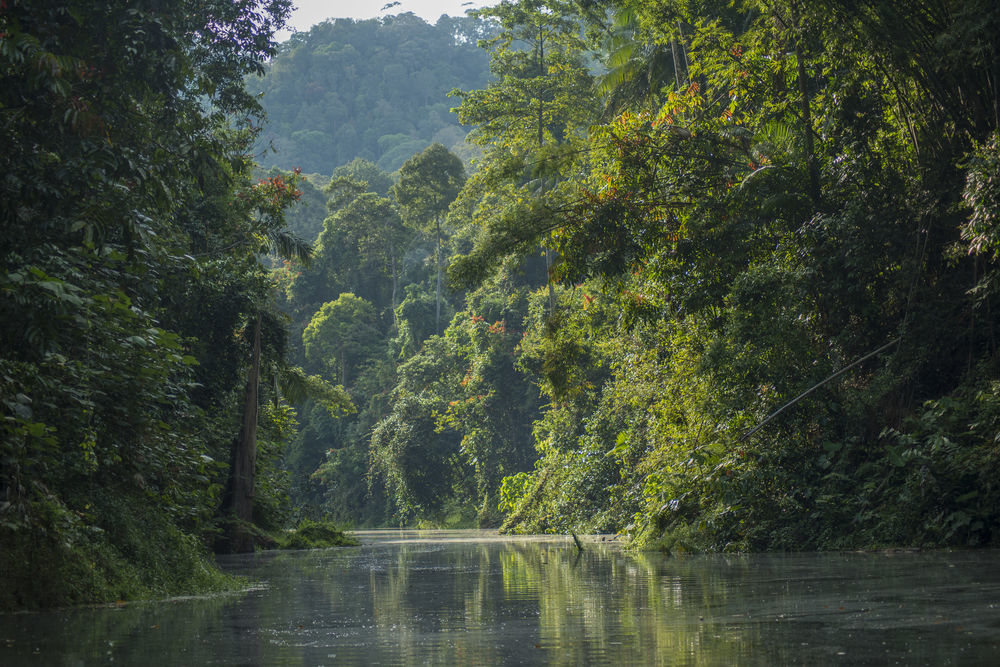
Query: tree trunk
[(395, 289), (239, 499), (437, 294), (807, 129), (677, 62), (548, 279), (687, 65), (541, 71), (541, 142)]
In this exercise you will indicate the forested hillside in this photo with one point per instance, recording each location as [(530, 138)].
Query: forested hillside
[(375, 89), (734, 293)]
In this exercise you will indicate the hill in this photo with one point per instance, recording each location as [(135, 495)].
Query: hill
[(375, 89)]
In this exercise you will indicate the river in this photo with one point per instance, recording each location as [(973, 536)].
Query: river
[(475, 598)]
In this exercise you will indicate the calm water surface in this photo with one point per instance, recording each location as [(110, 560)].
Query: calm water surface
[(473, 598)]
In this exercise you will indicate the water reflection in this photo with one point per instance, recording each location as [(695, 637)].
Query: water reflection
[(469, 597)]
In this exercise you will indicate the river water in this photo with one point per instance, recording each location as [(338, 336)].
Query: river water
[(475, 598)]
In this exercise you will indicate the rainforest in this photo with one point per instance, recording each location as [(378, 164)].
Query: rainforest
[(713, 275)]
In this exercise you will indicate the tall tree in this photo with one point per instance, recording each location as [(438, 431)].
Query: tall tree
[(262, 212), (540, 104), (373, 225), (428, 184), (341, 336)]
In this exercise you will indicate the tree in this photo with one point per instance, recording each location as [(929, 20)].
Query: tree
[(537, 61), (358, 246), (494, 406), (341, 336), (415, 319), (265, 206), (637, 70), (539, 104), (373, 225), (428, 184), (420, 463), (364, 171)]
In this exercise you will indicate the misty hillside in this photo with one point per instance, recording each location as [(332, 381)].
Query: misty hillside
[(375, 89)]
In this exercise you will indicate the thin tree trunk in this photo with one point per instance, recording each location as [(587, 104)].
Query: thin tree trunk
[(541, 71), (395, 289), (243, 469), (807, 130), (994, 78), (677, 62), (687, 65), (548, 278), (541, 142), (989, 320), (437, 294), (972, 315)]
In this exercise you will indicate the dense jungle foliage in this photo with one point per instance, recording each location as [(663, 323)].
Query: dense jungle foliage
[(375, 89), (716, 274), (137, 326), (731, 289)]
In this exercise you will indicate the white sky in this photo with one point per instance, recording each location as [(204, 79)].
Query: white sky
[(308, 13)]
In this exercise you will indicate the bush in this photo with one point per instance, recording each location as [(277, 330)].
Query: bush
[(309, 534)]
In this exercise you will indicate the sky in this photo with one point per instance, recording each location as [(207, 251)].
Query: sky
[(308, 13)]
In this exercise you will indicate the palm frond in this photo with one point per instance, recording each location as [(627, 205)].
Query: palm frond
[(289, 246)]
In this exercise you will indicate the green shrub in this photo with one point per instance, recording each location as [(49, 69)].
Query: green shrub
[(309, 534)]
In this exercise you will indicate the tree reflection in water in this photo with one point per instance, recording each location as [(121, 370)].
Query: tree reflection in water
[(471, 597)]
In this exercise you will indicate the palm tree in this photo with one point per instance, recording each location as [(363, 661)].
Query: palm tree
[(637, 71)]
